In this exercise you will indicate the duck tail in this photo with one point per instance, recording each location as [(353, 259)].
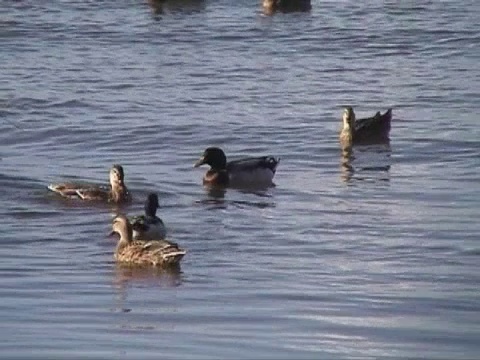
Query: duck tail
[(272, 163), (173, 257), (53, 187), (277, 161), (387, 120)]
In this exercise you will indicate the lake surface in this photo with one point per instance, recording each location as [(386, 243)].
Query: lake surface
[(371, 256)]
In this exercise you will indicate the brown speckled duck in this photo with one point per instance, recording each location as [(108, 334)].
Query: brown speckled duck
[(372, 130), (271, 6), (116, 193), (161, 253)]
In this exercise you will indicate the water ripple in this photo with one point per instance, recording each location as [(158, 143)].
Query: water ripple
[(367, 254)]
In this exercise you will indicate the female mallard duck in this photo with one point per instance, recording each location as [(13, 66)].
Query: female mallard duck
[(149, 226), (252, 171), (155, 252), (117, 193), (370, 130), (271, 6)]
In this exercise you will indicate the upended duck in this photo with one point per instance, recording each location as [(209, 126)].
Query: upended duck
[(117, 192), (271, 6), (160, 253), (149, 226), (375, 129), (246, 172)]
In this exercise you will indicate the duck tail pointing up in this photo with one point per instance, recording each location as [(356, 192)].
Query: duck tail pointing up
[(387, 120), (273, 163)]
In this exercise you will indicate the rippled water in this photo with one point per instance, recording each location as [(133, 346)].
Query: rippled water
[(370, 256)]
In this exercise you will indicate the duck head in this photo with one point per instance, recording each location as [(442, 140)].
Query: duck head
[(122, 227), (348, 118), (269, 6), (213, 156), (151, 205), (116, 176)]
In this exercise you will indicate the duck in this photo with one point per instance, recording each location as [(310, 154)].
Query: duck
[(157, 253), (149, 226), (245, 172), (375, 129), (117, 193), (271, 6)]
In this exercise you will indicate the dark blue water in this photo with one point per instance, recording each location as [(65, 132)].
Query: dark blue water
[(370, 256)]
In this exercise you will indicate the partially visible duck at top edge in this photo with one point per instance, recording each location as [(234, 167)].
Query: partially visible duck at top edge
[(271, 6), (245, 172)]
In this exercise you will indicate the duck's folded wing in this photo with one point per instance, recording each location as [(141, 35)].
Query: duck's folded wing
[(92, 193), (63, 190), (68, 189), (65, 187), (379, 123), (253, 163), (159, 245)]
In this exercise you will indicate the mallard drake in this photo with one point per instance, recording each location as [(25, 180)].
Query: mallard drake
[(271, 6), (155, 252), (117, 192), (375, 129), (149, 226), (251, 171)]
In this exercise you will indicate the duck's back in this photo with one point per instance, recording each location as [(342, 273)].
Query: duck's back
[(252, 170), (253, 163), (376, 127), (148, 228), (156, 253)]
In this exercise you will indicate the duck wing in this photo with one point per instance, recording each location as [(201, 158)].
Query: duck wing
[(156, 245), (69, 190), (168, 252), (253, 163), (93, 193), (375, 126)]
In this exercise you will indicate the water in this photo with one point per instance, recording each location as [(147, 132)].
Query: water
[(374, 256)]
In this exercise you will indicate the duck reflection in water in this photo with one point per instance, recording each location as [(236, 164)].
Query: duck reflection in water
[(128, 277), (216, 198), (165, 277), (366, 163)]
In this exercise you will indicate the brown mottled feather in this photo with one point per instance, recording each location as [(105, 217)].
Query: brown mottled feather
[(149, 253), (117, 192)]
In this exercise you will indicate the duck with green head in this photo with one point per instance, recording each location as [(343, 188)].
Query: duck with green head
[(245, 172)]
